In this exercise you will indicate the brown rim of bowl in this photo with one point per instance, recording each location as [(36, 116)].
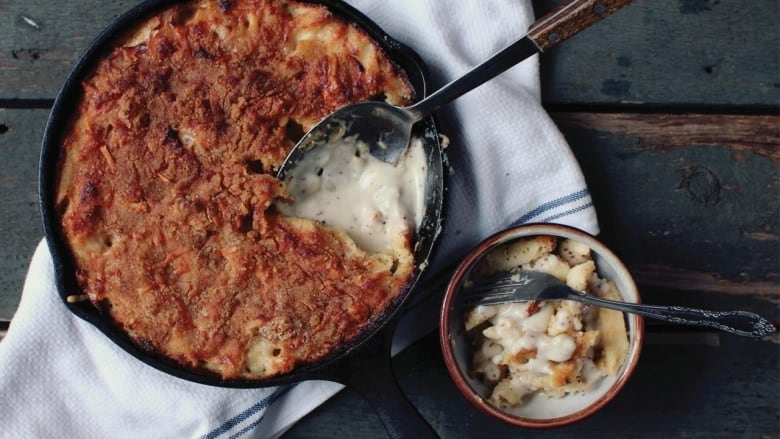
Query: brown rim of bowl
[(636, 324)]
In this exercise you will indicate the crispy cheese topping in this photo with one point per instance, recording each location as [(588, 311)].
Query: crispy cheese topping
[(166, 186)]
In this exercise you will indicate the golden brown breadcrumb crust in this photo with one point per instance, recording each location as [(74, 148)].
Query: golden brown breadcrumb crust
[(166, 186)]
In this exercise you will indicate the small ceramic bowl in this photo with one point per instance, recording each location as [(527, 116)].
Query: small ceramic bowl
[(538, 411)]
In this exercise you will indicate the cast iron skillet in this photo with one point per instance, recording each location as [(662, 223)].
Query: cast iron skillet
[(363, 363)]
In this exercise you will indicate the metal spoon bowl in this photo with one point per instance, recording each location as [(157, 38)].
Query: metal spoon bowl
[(384, 127)]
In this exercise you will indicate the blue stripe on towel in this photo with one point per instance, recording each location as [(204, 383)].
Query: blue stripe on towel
[(263, 404), (568, 212), (253, 425), (550, 205)]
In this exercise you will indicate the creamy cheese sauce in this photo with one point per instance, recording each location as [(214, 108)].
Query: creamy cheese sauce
[(520, 331), (343, 186)]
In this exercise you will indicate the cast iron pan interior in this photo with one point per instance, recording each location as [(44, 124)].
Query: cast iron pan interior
[(405, 58)]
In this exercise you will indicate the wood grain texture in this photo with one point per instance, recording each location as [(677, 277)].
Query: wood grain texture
[(754, 134), (695, 193), (669, 53), (39, 43), (20, 224)]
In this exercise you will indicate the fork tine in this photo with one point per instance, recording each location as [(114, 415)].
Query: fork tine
[(497, 289), (488, 300), (487, 297)]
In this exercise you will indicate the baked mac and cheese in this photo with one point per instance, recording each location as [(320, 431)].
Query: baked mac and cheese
[(167, 186), (552, 347)]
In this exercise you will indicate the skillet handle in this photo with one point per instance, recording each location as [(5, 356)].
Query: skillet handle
[(369, 372), (569, 18)]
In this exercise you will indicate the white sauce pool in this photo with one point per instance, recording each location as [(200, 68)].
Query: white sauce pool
[(343, 186)]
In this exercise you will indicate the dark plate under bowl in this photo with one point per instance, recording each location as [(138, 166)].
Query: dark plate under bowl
[(65, 274)]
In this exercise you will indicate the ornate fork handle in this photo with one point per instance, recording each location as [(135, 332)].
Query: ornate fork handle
[(741, 323)]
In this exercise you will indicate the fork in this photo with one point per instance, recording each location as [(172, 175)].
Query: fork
[(527, 285)]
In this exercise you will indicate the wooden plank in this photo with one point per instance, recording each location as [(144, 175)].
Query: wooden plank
[(20, 224), (670, 52), (709, 386), (743, 134), (656, 52), (689, 201)]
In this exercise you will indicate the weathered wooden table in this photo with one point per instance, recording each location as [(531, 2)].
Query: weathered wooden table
[(671, 108)]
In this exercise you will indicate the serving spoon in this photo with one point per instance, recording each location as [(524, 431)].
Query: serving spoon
[(386, 128), (527, 285)]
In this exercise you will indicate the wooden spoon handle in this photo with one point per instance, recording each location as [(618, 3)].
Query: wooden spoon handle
[(570, 17)]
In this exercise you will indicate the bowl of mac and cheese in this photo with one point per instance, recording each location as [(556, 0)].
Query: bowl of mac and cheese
[(541, 363)]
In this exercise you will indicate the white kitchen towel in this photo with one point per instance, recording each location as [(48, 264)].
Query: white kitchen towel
[(60, 377)]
